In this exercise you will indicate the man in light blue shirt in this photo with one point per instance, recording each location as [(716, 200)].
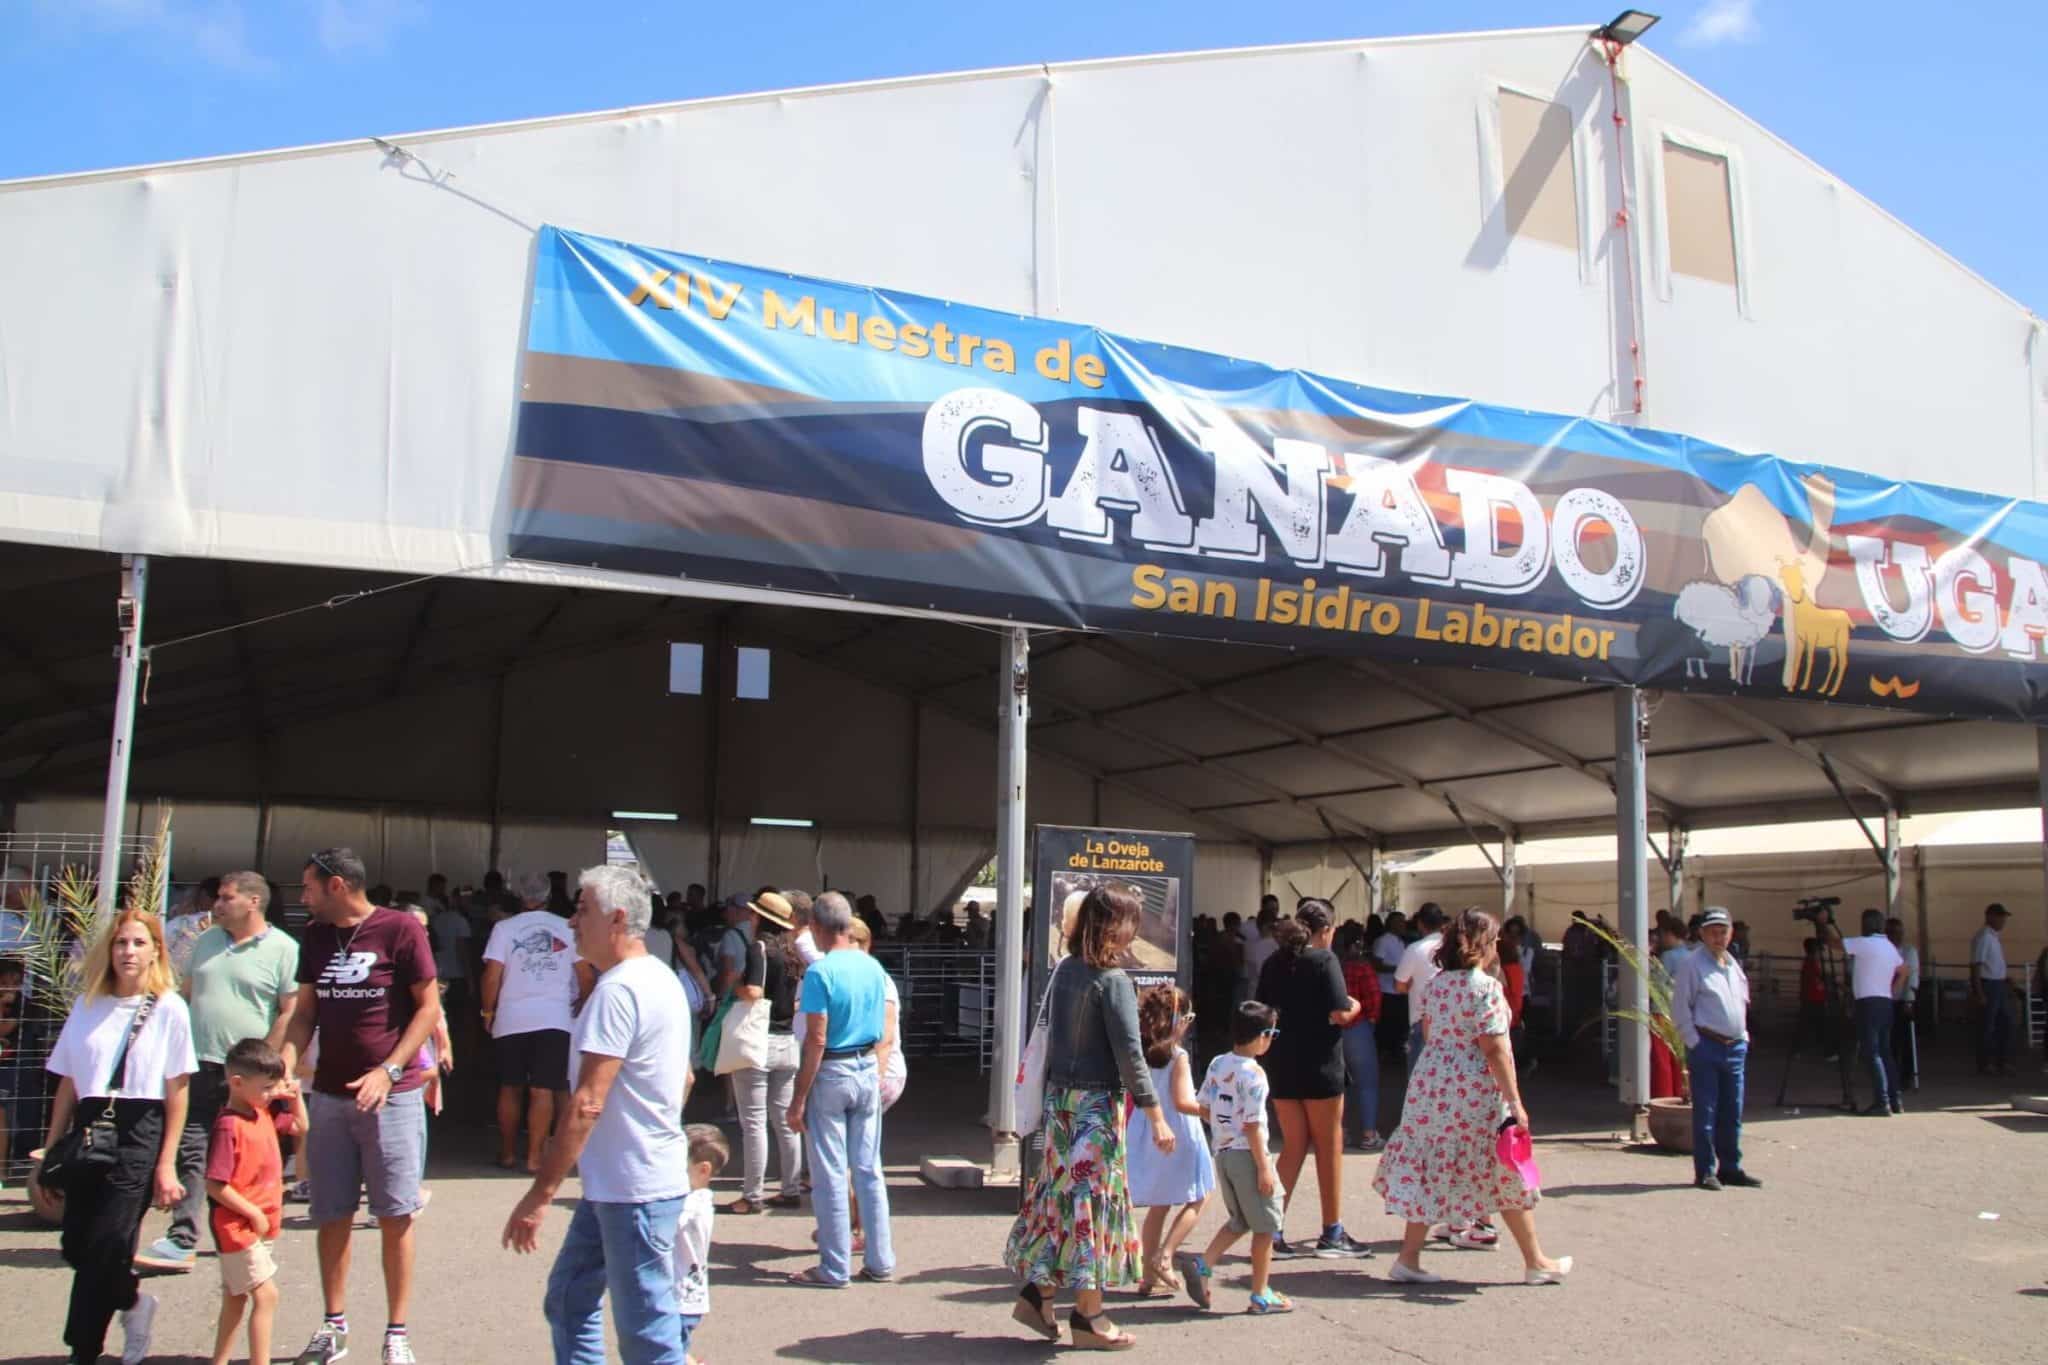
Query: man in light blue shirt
[(838, 1099), (1710, 1006)]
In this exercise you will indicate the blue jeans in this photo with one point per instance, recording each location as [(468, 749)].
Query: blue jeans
[(843, 1121), (627, 1250), (1361, 1082), (1994, 1043), (1716, 1072), (1874, 1036)]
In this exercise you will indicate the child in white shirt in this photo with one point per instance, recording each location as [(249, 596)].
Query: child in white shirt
[(708, 1155)]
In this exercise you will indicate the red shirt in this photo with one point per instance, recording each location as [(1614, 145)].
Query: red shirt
[(1362, 983), (243, 1154), (1811, 989), (1515, 987), (363, 979)]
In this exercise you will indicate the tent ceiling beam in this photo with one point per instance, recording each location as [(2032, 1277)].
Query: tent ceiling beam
[(984, 725), (1514, 734), (261, 748), (1829, 764), (414, 636), (1040, 693), (1335, 748)]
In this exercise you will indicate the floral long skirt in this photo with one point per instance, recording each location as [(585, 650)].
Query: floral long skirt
[(1075, 1230)]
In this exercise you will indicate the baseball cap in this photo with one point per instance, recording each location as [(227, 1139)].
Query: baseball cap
[(1715, 915)]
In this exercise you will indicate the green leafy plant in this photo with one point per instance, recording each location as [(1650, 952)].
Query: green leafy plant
[(1659, 1020), (66, 920)]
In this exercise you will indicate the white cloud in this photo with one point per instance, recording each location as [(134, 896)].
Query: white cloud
[(364, 25), (215, 30), (1723, 21)]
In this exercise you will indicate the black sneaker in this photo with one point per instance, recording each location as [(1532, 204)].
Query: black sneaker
[(1707, 1182), (1284, 1250), (1742, 1179), (1338, 1244)]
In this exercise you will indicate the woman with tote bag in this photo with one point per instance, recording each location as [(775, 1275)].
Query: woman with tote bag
[(758, 1048), (124, 1058)]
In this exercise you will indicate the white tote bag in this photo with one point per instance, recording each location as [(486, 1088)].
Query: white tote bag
[(1031, 1067), (743, 1045)]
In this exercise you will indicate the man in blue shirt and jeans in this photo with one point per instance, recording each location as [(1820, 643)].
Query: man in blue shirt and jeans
[(838, 1099), (1710, 1005)]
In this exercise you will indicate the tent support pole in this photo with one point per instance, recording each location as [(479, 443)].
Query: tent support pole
[(1631, 833), (916, 897), (1674, 869), (497, 774), (2041, 749), (1014, 713), (128, 612), (714, 823), (1894, 887), (1507, 877)]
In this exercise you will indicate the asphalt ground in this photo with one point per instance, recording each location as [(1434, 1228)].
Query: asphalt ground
[(1918, 1238)]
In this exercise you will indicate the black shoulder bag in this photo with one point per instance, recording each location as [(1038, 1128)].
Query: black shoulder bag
[(86, 1152)]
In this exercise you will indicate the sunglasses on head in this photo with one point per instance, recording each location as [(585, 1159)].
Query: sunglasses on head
[(1269, 1033), (320, 861)]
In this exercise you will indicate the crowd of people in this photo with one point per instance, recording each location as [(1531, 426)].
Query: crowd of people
[(198, 1051), (1288, 1003)]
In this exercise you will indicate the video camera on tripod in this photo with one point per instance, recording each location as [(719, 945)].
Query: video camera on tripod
[(1817, 910)]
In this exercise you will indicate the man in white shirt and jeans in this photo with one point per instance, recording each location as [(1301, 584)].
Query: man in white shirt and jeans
[(1876, 968), (1991, 993), (623, 1134), (1418, 968)]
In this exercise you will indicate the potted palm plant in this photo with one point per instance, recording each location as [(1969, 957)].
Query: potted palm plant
[(1671, 1117), (62, 922)]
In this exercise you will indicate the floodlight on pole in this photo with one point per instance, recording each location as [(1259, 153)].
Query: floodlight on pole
[(1625, 27)]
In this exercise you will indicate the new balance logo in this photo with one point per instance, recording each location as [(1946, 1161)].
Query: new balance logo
[(352, 970)]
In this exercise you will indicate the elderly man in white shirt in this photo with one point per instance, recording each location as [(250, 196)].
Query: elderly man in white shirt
[(1710, 1006), (1991, 993)]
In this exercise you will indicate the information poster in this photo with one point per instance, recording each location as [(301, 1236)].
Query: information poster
[(1158, 868)]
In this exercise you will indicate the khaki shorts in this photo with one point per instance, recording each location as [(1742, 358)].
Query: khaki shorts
[(1237, 1174), (242, 1271)]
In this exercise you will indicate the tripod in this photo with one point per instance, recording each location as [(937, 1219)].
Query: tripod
[(1834, 980)]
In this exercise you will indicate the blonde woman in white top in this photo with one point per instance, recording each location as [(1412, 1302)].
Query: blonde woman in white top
[(125, 973)]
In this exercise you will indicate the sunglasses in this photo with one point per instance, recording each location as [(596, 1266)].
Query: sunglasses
[(1269, 1033), (1187, 1018), (321, 862)]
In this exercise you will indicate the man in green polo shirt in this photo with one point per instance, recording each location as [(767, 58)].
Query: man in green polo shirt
[(243, 983)]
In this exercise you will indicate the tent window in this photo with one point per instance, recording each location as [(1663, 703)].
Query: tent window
[(1697, 210), (753, 675), (685, 670), (1538, 190)]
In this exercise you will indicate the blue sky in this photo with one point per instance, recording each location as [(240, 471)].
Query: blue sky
[(1939, 127)]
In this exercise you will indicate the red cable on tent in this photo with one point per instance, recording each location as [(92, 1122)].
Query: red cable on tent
[(1621, 220)]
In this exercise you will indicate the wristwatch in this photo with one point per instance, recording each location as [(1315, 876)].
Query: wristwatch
[(396, 1073)]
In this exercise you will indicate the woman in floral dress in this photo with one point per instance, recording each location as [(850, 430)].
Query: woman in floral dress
[(1440, 1165), (1075, 1230)]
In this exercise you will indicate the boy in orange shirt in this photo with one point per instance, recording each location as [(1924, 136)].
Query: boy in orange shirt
[(245, 1181)]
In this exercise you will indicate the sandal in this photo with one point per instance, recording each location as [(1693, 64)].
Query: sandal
[(814, 1278), (741, 1206), (1031, 1310), (785, 1201), (1089, 1333)]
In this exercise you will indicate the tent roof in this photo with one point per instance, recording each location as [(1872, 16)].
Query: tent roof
[(1259, 745)]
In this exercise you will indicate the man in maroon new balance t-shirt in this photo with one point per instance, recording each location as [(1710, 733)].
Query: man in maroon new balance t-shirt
[(366, 986)]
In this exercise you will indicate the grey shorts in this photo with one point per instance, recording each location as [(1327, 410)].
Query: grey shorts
[(1237, 1175), (386, 1151)]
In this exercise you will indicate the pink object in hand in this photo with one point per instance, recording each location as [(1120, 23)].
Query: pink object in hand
[(1518, 1154)]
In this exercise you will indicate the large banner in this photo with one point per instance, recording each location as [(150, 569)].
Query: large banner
[(694, 417)]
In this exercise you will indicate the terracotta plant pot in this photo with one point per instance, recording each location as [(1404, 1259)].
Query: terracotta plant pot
[(1671, 1124)]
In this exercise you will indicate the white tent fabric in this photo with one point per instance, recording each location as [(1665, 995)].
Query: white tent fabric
[(673, 854)]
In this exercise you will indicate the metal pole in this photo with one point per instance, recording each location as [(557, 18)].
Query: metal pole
[(2041, 750), (1375, 884), (128, 613), (1507, 877), (1894, 881), (1014, 713), (1631, 833), (1675, 874)]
